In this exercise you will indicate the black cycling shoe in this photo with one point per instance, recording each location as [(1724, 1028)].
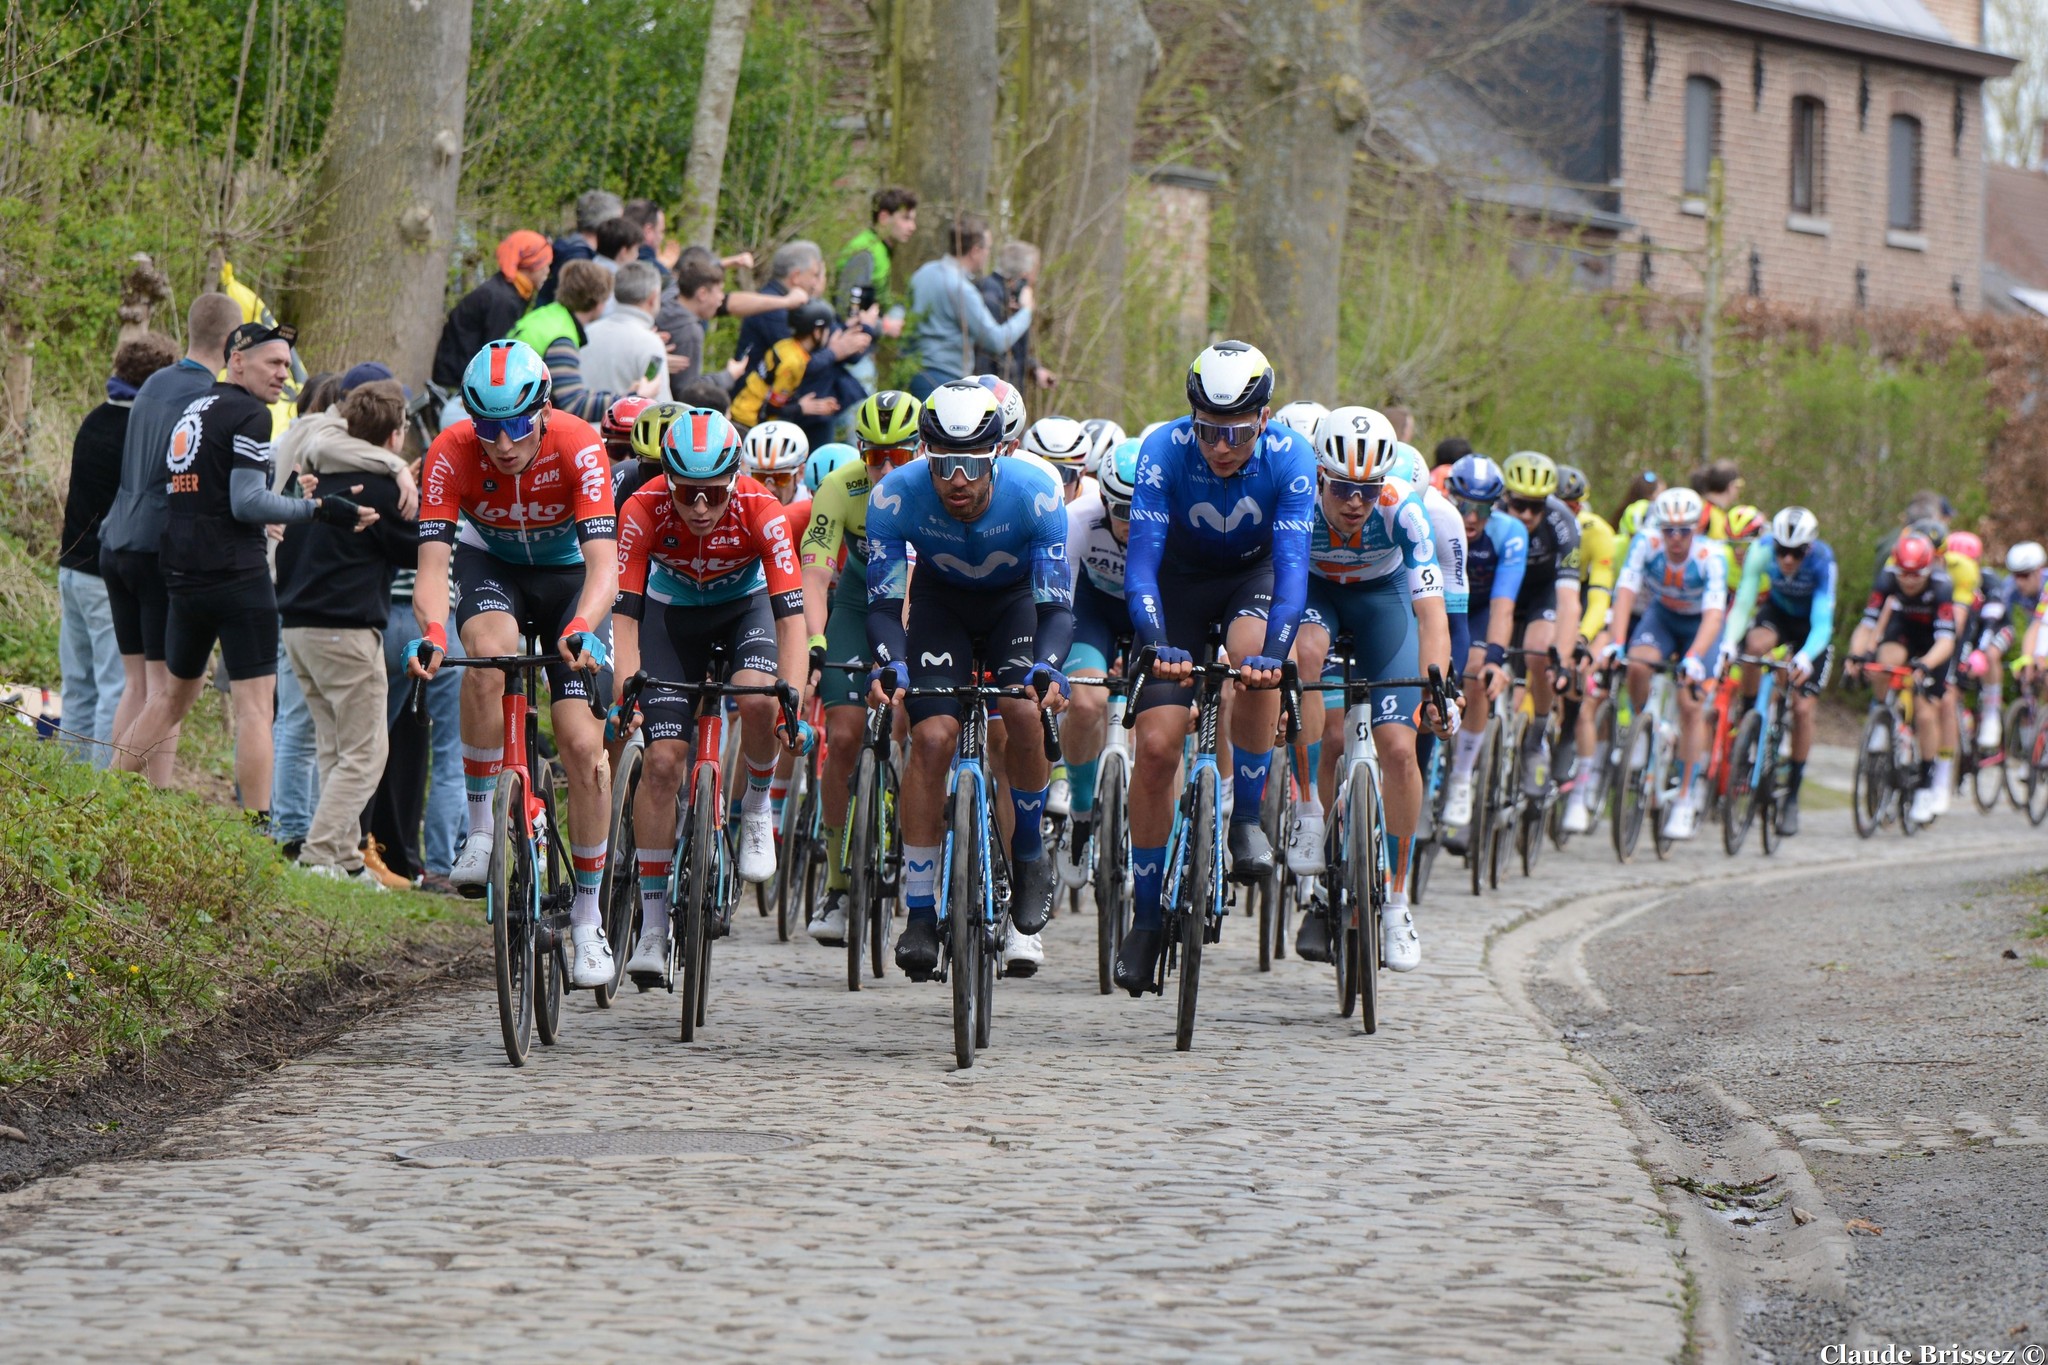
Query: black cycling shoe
[(1031, 895), (1251, 853), (1312, 944), (917, 952), (1788, 816), (1137, 960)]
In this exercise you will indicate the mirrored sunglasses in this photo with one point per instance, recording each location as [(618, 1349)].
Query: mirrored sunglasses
[(1231, 434), (1344, 490), (692, 494), (489, 429), (974, 467)]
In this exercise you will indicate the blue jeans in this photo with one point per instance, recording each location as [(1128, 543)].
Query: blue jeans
[(91, 661), (295, 762), (446, 817)]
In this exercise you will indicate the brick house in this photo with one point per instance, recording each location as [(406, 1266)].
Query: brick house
[(1851, 135)]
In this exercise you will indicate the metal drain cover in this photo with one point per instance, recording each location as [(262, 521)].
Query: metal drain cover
[(581, 1146)]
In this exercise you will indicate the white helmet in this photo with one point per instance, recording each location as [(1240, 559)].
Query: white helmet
[(1794, 527), (775, 448), (1150, 427), (1010, 403), (1057, 441), (2025, 557), (1678, 509), (1409, 467), (1103, 435), (1230, 379), (1302, 415), (1356, 444)]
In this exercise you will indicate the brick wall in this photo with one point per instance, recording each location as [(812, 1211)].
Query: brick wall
[(1964, 19), (1817, 265)]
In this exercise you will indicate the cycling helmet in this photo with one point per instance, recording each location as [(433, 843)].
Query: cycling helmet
[(1302, 415), (700, 444), (651, 425), (885, 419), (1967, 545), (506, 379), (1794, 527), (1230, 379), (814, 316), (1529, 474), (1571, 483), (778, 448), (1355, 444), (1119, 473), (2025, 557), (1745, 523), (1057, 441), (824, 460), (1409, 467), (619, 418), (1936, 533), (1009, 402), (1914, 553), (1103, 437), (1678, 509), (1150, 427), (1475, 479), (962, 417)]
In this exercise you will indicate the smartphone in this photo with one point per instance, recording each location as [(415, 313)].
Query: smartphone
[(861, 296), (654, 368)]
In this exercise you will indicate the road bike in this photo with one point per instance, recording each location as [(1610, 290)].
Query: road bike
[(1888, 766), (800, 864), (1533, 811), (1429, 838), (2026, 750), (1611, 720), (1276, 818), (1652, 772), (620, 894), (1110, 848), (1982, 770), (1496, 794), (872, 848), (1759, 758)]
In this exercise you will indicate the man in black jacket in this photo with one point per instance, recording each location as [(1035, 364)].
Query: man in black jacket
[(333, 591), (487, 312)]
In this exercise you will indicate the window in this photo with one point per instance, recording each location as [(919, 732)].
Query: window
[(1702, 130), (1903, 203), (1809, 129)]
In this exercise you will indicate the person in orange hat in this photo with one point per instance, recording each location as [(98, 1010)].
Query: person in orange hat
[(488, 311)]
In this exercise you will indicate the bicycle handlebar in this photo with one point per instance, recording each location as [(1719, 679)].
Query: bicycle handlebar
[(416, 699), (784, 694), (1290, 686)]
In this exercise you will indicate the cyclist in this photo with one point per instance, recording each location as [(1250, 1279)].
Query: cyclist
[(772, 455), (1303, 414), (649, 427), (991, 585), (1220, 520), (1374, 575), (1795, 572), (2010, 609), (1497, 554), (1103, 437), (826, 458), (516, 508), (1447, 533), (885, 428), (706, 557), (1598, 550), (1684, 578), (1547, 607), (1061, 443), (1910, 620), (617, 430)]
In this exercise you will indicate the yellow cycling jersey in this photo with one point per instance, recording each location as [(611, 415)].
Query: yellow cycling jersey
[(839, 519), (1598, 568), (1966, 574), (1632, 518)]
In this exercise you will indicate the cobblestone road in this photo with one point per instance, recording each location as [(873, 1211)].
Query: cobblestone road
[(1453, 1189)]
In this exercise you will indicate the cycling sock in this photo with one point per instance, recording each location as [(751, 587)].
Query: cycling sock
[(480, 769), (1148, 868), (654, 870), (1794, 778), (1311, 799), (778, 792), (1944, 767), (1396, 900), (921, 882), (1397, 865), (1248, 785), (1081, 785), (588, 862), (1465, 752), (1692, 777), (760, 782), (1027, 841), (1568, 718), (835, 859)]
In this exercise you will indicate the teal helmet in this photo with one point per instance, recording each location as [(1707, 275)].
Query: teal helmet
[(1408, 465), (824, 460), (1118, 473), (506, 379), (700, 444)]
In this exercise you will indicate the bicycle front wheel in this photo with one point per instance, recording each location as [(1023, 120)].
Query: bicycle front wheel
[(1198, 889), (510, 906), (696, 905), (1112, 872), (1365, 890), (864, 877), (1739, 811), (550, 955), (1478, 834), (1870, 785), (1634, 774), (964, 921)]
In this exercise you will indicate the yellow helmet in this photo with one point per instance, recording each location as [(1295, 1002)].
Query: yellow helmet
[(1746, 523), (886, 419), (1529, 475), (651, 425)]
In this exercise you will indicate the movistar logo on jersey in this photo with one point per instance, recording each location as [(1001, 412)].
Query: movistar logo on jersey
[(997, 561), (1041, 503), (888, 502), (936, 660), (1145, 869), (1206, 514)]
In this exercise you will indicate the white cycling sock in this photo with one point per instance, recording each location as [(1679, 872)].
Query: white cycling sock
[(1465, 753), (760, 788)]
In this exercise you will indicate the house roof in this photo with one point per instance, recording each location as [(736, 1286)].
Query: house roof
[(1900, 16), (2016, 225), (1896, 30)]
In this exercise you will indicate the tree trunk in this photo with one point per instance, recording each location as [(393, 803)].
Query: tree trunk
[(942, 109), (1294, 186), (376, 268), (727, 43), (1089, 61)]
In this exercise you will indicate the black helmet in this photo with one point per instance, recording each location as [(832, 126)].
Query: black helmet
[(811, 317), (1571, 483)]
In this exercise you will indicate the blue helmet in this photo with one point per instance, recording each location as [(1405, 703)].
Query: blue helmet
[(1408, 465), (1477, 479), (506, 379), (825, 459), (700, 444), (1118, 473)]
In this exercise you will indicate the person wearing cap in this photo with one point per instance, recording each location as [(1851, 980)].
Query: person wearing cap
[(593, 207), (216, 560), (487, 312)]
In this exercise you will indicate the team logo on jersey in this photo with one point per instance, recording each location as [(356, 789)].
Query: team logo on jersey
[(490, 485), (996, 561), (1302, 483), (184, 446), (1205, 514), (888, 502), (1041, 503), (1145, 869), (1152, 476), (547, 476), (936, 660)]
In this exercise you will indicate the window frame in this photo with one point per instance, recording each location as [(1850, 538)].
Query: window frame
[(1808, 160), (1914, 174), (1713, 136)]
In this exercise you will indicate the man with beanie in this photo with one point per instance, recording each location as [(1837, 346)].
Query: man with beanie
[(487, 312)]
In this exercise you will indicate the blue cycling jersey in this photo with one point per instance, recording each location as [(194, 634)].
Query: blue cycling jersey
[(1495, 562), (1695, 583), (1394, 537), (1185, 517), (1807, 593)]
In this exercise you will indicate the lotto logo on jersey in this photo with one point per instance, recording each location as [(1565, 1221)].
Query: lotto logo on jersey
[(543, 513), (596, 482)]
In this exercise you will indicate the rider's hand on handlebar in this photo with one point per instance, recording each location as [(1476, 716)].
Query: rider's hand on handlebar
[(1260, 672), (887, 683), (1172, 665), (1496, 677), (582, 648), (1802, 670), (423, 655), (1692, 670), (1049, 686)]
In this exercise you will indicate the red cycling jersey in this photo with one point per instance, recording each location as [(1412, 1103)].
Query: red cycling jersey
[(751, 548), (541, 515)]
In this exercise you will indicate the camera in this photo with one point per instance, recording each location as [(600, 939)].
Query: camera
[(860, 298)]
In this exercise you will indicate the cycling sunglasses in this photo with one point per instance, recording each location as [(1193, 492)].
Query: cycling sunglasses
[(1527, 504), (489, 429), (975, 467), (894, 456), (1344, 490), (1070, 474), (1792, 552), (1471, 508), (779, 481), (1118, 509), (1232, 434), (691, 494)]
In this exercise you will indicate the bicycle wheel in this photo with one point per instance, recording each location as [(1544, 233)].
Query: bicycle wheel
[(1632, 785), (1363, 846), (1776, 775), (964, 920), (620, 894), (1739, 811), (883, 838), (792, 858), (1870, 785), (1669, 775), (510, 907), (550, 957), (694, 908), (1606, 757), (1478, 837), (1112, 871), (1337, 907), (1275, 812), (2019, 744), (1502, 807), (1907, 773), (2037, 774), (1198, 888), (1987, 779), (863, 877)]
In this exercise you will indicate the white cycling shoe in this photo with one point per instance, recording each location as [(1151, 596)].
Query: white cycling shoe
[(1023, 954), (1305, 845), (757, 846), (1577, 819), (828, 925), (473, 863), (1681, 820), (1990, 732), (590, 960), (1071, 857), (1059, 798), (1923, 806), (1400, 945), (650, 954), (1941, 797), (1458, 801)]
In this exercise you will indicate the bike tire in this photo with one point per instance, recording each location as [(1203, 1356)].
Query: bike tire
[(1602, 773), (963, 920), (1668, 774), (1739, 811), (550, 958), (864, 878), (1337, 907), (509, 888), (1870, 782), (1985, 790), (1363, 846), (1631, 789), (1501, 810), (888, 855), (620, 894), (1275, 808), (2018, 744), (1112, 877), (1199, 890), (694, 908), (1478, 837), (792, 862), (1775, 777), (2037, 778)]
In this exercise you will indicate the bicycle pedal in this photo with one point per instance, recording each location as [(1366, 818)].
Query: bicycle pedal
[(476, 893), (644, 981)]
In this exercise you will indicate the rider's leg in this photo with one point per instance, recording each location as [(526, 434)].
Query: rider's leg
[(1401, 790), (845, 728), (1538, 637), (1251, 720), (1311, 650), (1155, 779), (579, 740), (483, 717), (922, 812), (666, 763), (1084, 731), (1029, 772)]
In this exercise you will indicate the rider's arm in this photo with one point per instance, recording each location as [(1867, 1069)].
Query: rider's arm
[(597, 532), (818, 553), (1147, 544), (440, 499), (1292, 523), (777, 546), (888, 573), (1754, 564), (1596, 560), (1052, 585), (1713, 606), (1511, 549), (1822, 616)]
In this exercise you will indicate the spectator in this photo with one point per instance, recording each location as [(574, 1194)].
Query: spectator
[(795, 268), (1636, 499), (653, 228), (770, 393), (542, 327), (618, 241), (864, 263), (1449, 451), (487, 312), (133, 529), (1720, 484), (215, 562), (699, 295), (952, 319), (586, 288), (621, 350), (318, 439), (332, 604), (1016, 270), (91, 659), (703, 392), (592, 207), (294, 748)]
